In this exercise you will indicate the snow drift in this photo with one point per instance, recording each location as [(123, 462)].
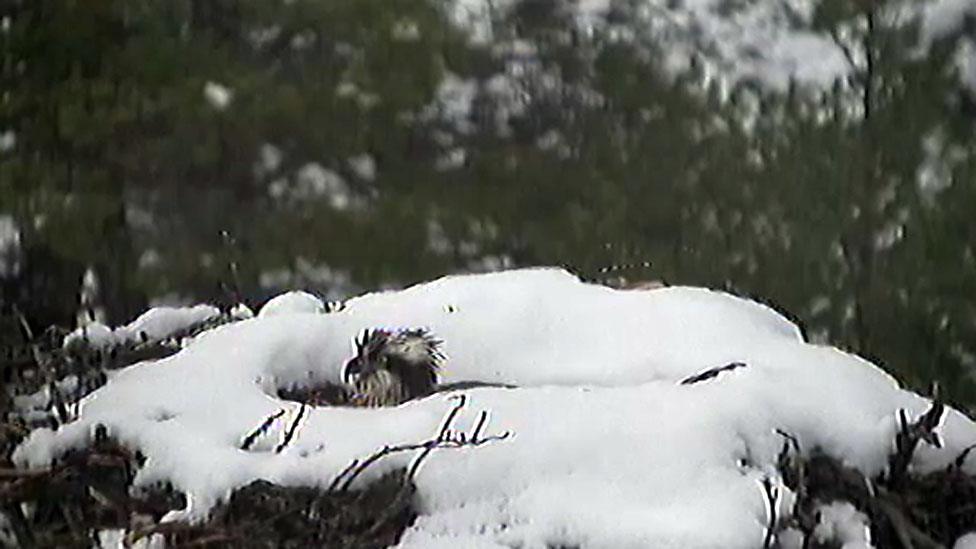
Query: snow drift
[(608, 448)]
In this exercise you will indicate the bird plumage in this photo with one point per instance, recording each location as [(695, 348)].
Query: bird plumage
[(392, 367)]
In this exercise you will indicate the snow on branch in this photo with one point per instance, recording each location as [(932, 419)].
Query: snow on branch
[(446, 438)]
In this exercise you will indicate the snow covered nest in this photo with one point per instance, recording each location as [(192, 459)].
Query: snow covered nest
[(155, 324), (608, 449)]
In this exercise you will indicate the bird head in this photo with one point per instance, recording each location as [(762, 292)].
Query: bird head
[(411, 357)]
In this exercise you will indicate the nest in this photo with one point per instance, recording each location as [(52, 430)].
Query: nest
[(266, 515), (904, 510)]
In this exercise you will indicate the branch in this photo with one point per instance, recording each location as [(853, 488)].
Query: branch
[(908, 437), (961, 458), (712, 372), (292, 429), (253, 435), (908, 534), (771, 494), (445, 439)]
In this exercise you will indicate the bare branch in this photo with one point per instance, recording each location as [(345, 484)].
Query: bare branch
[(771, 493), (712, 372), (253, 435), (292, 429), (445, 439), (908, 437)]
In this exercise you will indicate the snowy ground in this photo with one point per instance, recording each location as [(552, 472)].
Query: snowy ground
[(608, 450)]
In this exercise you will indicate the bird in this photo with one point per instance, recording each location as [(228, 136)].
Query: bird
[(391, 367)]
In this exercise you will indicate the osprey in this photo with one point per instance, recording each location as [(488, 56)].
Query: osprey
[(392, 367)]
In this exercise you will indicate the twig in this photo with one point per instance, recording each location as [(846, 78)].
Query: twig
[(253, 435), (230, 243), (793, 469), (961, 458), (349, 468), (18, 522), (444, 439), (908, 437), (29, 334), (482, 420), (710, 373), (164, 528), (222, 539), (908, 534), (771, 494), (442, 436), (791, 440), (292, 429), (24, 473)]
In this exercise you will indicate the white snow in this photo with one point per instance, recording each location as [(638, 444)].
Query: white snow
[(218, 95), (941, 18), (155, 324), (8, 140), (768, 42), (608, 449), (161, 322), (967, 541), (313, 181), (731, 42), (329, 282), (9, 233), (292, 303), (269, 160), (241, 312), (965, 60), (9, 245), (405, 30), (150, 259), (38, 405), (841, 523), (364, 166), (455, 100), (116, 539), (452, 159)]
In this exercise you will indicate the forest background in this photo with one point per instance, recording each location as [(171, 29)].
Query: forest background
[(817, 155)]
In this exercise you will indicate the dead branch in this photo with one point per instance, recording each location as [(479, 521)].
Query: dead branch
[(961, 458), (771, 493), (711, 373), (908, 437), (445, 439), (292, 428), (263, 428)]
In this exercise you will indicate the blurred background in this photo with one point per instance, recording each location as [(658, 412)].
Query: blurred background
[(817, 155)]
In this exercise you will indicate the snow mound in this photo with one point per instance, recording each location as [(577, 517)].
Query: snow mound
[(155, 324), (842, 523), (609, 449), (292, 303), (966, 542)]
